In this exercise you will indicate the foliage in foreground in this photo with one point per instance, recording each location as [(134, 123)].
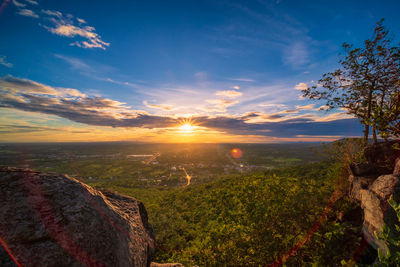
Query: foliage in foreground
[(392, 239), (256, 219)]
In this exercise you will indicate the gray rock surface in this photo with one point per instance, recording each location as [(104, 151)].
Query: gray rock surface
[(373, 198), (55, 220), (372, 184), (358, 183)]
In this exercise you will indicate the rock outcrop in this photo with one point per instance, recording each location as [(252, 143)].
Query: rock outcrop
[(382, 156), (55, 220), (372, 184), (374, 202)]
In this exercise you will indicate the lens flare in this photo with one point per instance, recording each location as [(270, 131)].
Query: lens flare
[(236, 153)]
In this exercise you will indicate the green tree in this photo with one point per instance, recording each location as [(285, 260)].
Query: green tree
[(386, 113), (366, 85)]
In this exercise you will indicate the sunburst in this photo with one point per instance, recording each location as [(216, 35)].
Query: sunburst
[(187, 127)]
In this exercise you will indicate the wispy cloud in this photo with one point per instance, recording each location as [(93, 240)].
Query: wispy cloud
[(18, 4), (23, 10), (32, 2), (306, 107), (296, 54), (95, 70), (75, 63), (272, 105), (272, 27), (120, 82), (82, 21), (15, 129), (165, 107), (229, 93), (28, 13), (64, 26), (4, 62), (242, 80)]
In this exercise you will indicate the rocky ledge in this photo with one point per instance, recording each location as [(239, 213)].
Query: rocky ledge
[(55, 220), (372, 184)]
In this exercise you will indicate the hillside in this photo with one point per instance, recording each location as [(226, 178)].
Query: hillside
[(316, 214)]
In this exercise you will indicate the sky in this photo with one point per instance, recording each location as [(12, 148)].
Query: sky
[(176, 71)]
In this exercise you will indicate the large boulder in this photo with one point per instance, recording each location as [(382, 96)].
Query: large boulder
[(374, 202), (382, 156), (55, 220)]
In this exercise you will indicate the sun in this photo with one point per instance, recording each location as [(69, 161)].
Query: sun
[(187, 127)]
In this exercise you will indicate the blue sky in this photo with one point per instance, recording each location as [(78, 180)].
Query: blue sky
[(137, 70)]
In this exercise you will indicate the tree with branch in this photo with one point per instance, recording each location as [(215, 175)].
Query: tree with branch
[(367, 84)]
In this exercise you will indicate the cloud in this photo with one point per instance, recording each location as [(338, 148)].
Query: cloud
[(75, 62), (28, 13), (323, 107), (301, 97), (32, 2), (286, 128), (16, 85), (87, 32), (3, 61), (229, 93), (93, 70), (301, 86), (272, 105), (218, 105), (242, 80), (81, 20), (12, 129), (289, 111), (64, 26), (54, 13), (165, 107), (306, 107), (18, 129), (23, 11), (27, 95), (120, 82), (296, 54), (236, 87), (71, 104), (18, 4)]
